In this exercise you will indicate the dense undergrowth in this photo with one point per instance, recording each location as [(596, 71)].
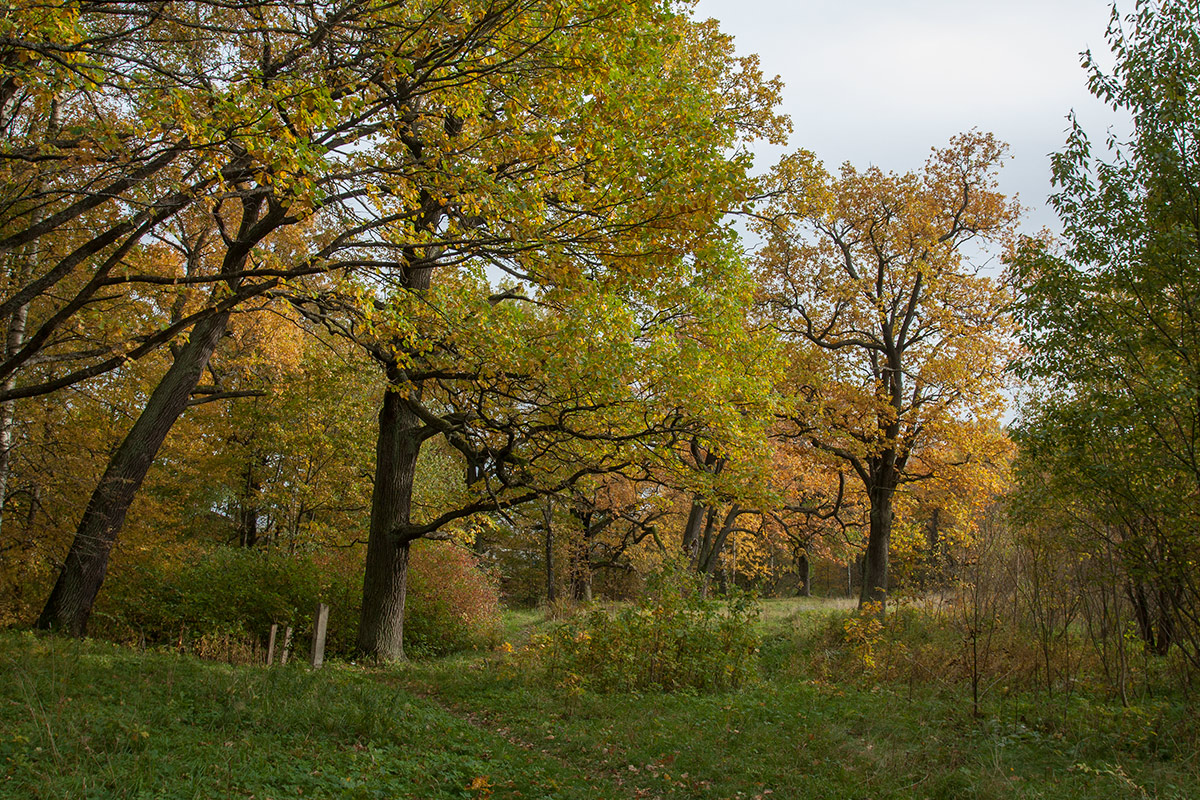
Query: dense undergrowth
[(673, 638), (221, 603)]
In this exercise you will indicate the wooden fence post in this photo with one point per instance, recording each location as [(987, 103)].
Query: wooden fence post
[(319, 627), (271, 644), (287, 645)]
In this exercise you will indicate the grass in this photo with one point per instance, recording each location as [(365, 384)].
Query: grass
[(800, 732), (89, 720), (85, 719)]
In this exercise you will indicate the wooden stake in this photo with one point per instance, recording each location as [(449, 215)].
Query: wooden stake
[(287, 645), (319, 627), (271, 644)]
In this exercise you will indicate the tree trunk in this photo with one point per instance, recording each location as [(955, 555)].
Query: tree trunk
[(714, 541), (74, 593), (23, 267), (932, 575), (875, 570), (691, 531), (803, 572), (1166, 624), (248, 509), (581, 571), (385, 579), (548, 521), (401, 434)]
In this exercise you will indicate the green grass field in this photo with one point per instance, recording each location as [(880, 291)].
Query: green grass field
[(90, 720)]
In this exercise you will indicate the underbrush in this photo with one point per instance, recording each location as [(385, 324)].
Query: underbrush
[(673, 639), (221, 603), (1004, 680), (949, 646)]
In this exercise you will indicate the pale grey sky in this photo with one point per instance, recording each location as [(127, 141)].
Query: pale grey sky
[(882, 81)]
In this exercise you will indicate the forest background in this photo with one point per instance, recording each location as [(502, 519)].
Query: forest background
[(292, 288)]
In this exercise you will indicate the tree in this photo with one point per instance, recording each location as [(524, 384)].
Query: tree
[(1112, 327), (817, 513), (386, 133), (606, 206), (534, 394), (895, 339)]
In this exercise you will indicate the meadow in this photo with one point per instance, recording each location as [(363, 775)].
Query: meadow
[(87, 719)]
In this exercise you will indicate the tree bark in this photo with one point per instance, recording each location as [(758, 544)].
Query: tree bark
[(714, 542), (23, 268), (803, 573), (385, 579), (581, 562), (875, 570), (247, 517), (70, 603), (691, 531), (548, 521)]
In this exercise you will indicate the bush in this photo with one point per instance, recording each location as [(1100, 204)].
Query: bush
[(452, 603), (674, 638), (222, 592)]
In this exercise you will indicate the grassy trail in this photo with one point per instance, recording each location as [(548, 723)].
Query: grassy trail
[(91, 720), (84, 720)]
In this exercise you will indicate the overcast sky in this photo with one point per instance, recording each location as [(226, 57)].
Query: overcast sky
[(882, 81)]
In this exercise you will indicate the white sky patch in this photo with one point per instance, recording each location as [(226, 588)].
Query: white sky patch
[(879, 82)]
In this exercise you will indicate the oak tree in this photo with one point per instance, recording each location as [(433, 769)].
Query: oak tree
[(895, 338)]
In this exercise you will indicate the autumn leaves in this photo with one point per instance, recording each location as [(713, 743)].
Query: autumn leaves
[(512, 217), (895, 343)]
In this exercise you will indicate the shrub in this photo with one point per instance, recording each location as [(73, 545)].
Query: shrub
[(220, 602), (452, 603), (222, 592), (674, 638)]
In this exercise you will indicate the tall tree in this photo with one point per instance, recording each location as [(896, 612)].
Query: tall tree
[(388, 132), (895, 338), (626, 164), (1111, 313)]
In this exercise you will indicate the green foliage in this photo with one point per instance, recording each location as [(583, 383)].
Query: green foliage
[(674, 638), (91, 721), (186, 729), (802, 734), (226, 591), (1112, 332)]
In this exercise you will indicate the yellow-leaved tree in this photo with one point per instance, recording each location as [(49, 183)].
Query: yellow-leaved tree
[(897, 341)]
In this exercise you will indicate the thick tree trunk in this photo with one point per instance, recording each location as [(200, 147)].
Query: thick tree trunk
[(803, 572), (74, 593), (401, 434), (691, 531), (875, 570), (385, 579), (714, 540)]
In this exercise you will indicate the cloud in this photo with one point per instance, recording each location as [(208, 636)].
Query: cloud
[(880, 82)]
